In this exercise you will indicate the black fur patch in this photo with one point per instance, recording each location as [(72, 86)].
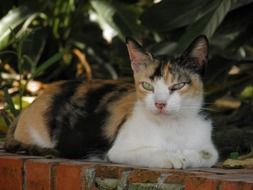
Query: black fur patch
[(191, 64), (180, 68), (67, 90), (78, 124), (163, 60)]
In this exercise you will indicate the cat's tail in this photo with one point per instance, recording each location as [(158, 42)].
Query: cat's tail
[(10, 144)]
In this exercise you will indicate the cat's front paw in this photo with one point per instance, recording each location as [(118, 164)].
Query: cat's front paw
[(177, 161)]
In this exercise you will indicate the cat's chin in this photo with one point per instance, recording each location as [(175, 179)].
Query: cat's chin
[(161, 113)]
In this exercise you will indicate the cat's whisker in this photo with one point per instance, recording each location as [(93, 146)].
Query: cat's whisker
[(193, 108), (209, 109), (202, 109)]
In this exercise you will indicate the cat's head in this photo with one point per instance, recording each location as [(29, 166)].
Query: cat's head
[(169, 85)]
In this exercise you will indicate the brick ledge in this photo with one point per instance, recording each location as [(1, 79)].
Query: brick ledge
[(19, 172)]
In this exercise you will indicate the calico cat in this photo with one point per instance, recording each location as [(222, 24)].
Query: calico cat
[(155, 122)]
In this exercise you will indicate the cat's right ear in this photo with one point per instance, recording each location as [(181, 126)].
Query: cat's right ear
[(138, 56), (198, 53)]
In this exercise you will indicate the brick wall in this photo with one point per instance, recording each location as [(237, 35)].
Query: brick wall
[(19, 172)]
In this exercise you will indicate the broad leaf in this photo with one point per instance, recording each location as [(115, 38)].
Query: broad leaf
[(206, 25), (121, 17), (10, 22), (241, 3), (236, 20), (169, 15), (240, 40)]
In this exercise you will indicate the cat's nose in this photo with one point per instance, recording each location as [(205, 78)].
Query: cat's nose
[(160, 105)]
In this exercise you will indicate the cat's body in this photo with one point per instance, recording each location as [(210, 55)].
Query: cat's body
[(154, 123)]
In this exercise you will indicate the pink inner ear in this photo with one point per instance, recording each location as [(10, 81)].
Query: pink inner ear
[(133, 56), (137, 61), (135, 67), (137, 57), (200, 51)]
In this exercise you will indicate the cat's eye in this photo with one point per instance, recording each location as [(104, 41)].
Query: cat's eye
[(178, 86), (147, 86)]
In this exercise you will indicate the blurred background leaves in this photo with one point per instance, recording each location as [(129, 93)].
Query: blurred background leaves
[(44, 41)]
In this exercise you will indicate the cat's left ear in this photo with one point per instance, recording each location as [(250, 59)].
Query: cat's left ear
[(196, 55), (138, 56)]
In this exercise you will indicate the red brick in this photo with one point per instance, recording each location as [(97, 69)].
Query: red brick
[(228, 185), (200, 183), (143, 176), (247, 186), (39, 174), (11, 177), (110, 170), (56, 174), (180, 176), (71, 175)]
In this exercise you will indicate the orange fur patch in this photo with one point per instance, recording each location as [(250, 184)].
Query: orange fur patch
[(195, 88), (143, 76), (120, 110), (33, 117), (166, 72)]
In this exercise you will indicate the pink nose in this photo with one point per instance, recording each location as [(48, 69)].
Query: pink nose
[(160, 105)]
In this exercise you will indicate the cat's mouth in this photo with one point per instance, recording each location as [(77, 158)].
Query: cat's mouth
[(161, 112)]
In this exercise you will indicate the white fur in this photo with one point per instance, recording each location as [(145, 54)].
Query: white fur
[(177, 138), (38, 139)]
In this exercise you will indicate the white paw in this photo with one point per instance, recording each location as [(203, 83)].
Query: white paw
[(177, 161)]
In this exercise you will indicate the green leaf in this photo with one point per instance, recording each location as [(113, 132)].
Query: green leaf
[(121, 17), (126, 19), (247, 92), (205, 25), (52, 60), (169, 15), (3, 125), (235, 19), (242, 3), (10, 103), (34, 44), (25, 101), (30, 62), (234, 155), (10, 22)]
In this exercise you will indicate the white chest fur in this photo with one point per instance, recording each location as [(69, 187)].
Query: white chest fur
[(164, 141)]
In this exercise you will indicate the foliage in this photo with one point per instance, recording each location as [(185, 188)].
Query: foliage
[(48, 40)]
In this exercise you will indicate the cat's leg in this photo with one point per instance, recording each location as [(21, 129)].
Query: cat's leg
[(152, 157), (205, 157), (145, 156)]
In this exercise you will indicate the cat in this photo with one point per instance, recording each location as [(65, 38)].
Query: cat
[(155, 122)]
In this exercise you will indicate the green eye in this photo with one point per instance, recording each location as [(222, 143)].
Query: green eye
[(178, 86), (147, 86)]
